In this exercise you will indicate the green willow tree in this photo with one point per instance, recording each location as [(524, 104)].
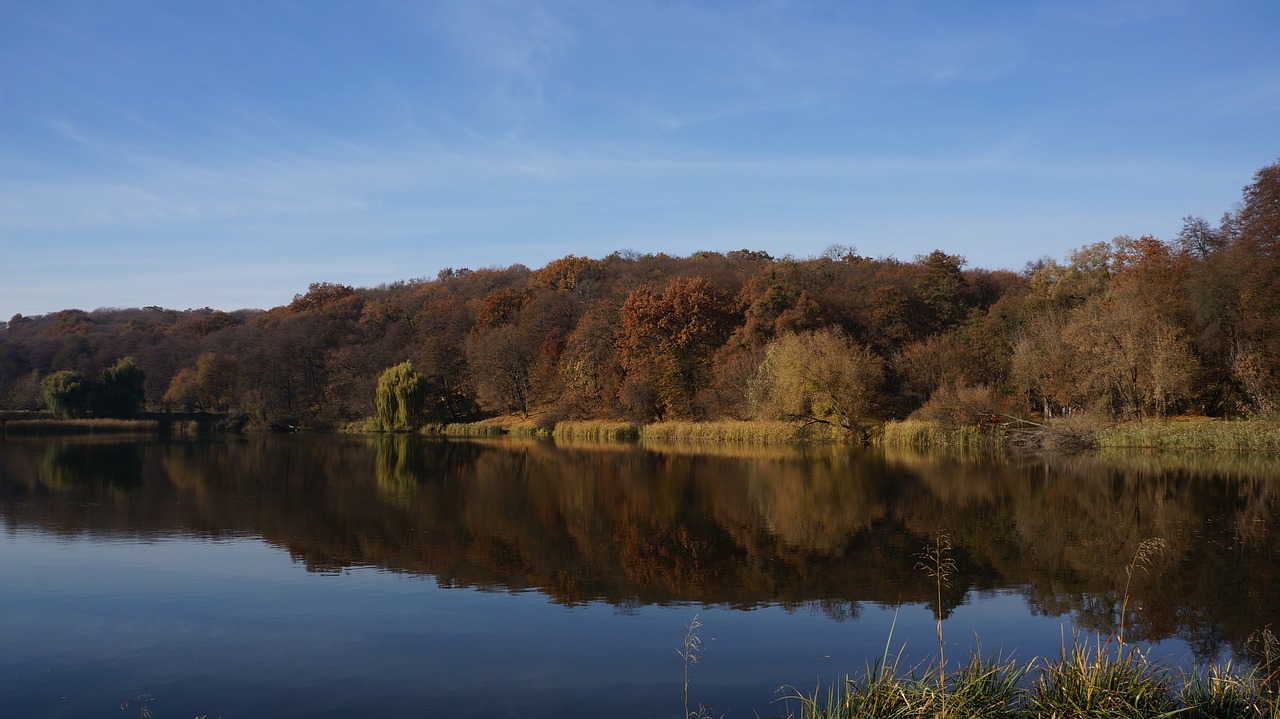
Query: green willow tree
[(400, 398), (119, 391), (65, 393)]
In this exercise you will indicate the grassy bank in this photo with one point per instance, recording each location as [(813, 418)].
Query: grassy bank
[(1194, 434), (80, 426)]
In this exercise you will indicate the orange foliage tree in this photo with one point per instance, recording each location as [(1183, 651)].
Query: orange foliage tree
[(665, 343)]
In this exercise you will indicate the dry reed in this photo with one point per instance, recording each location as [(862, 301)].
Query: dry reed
[(1195, 434), (80, 426)]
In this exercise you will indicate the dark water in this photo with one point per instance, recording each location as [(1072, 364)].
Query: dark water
[(310, 576)]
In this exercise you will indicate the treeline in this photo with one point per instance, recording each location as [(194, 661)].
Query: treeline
[(1133, 328)]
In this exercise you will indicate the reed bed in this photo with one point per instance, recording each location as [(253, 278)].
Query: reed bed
[(1197, 434), (925, 433), (465, 429), (596, 431), (81, 426), (529, 430), (740, 432)]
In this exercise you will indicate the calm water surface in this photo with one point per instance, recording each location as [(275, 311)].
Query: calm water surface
[(310, 576)]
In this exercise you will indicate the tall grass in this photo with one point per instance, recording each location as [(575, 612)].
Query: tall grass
[(596, 431), (1102, 679), (468, 429), (529, 430), (925, 433), (80, 426), (731, 431), (1196, 434), (982, 688), (1097, 681)]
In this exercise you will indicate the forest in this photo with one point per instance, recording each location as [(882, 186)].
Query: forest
[(1134, 328)]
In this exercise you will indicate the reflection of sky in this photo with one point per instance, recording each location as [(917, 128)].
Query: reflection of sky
[(236, 628)]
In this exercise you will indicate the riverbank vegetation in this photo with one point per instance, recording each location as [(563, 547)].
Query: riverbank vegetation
[(1091, 678), (1131, 330), (1097, 678), (80, 426)]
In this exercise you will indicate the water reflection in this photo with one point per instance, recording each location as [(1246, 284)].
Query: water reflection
[(823, 527)]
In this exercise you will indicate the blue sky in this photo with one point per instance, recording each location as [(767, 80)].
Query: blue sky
[(226, 154)]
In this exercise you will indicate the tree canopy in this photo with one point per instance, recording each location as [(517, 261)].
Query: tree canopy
[(1134, 327)]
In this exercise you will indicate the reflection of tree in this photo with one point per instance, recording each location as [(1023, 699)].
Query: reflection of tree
[(398, 460), (68, 464), (826, 528)]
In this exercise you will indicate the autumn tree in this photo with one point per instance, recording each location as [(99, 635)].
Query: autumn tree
[(399, 399), (320, 294), (1199, 239), (1086, 274), (940, 360), (775, 309), (589, 367), (568, 274), (210, 386), (818, 376), (665, 344), (1257, 251), (942, 289), (1129, 359), (1150, 272), (501, 360), (440, 331), (1043, 365), (890, 322), (24, 392)]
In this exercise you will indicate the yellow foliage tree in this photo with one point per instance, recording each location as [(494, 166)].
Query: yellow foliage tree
[(818, 376)]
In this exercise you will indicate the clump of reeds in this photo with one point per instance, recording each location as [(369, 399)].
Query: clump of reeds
[(1196, 434), (981, 689), (928, 433), (1223, 691), (80, 426), (596, 431), (465, 429), (730, 431), (1095, 681), (529, 430)]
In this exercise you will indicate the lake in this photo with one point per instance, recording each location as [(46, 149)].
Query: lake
[(342, 576)]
